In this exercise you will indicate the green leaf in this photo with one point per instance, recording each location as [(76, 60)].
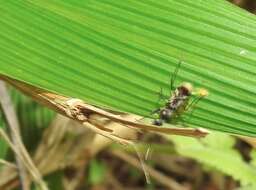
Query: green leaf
[(118, 54), (247, 188), (97, 172), (55, 180), (223, 158), (253, 158), (219, 140), (3, 145)]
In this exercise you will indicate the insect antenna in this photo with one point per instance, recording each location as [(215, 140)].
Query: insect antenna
[(173, 75)]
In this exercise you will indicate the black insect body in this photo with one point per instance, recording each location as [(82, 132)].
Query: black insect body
[(179, 100), (175, 105)]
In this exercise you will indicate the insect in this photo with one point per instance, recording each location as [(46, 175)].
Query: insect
[(179, 100)]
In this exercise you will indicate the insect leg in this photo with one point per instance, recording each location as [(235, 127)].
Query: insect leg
[(201, 94), (160, 95), (155, 111), (193, 103)]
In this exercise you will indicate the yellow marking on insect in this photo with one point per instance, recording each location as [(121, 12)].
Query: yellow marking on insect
[(203, 92)]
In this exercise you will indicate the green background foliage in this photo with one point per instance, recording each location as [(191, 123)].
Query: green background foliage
[(217, 152)]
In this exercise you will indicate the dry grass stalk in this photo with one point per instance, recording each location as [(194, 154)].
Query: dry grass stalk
[(25, 160), (164, 180), (64, 144)]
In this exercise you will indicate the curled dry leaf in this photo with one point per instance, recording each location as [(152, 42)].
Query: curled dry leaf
[(85, 113)]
